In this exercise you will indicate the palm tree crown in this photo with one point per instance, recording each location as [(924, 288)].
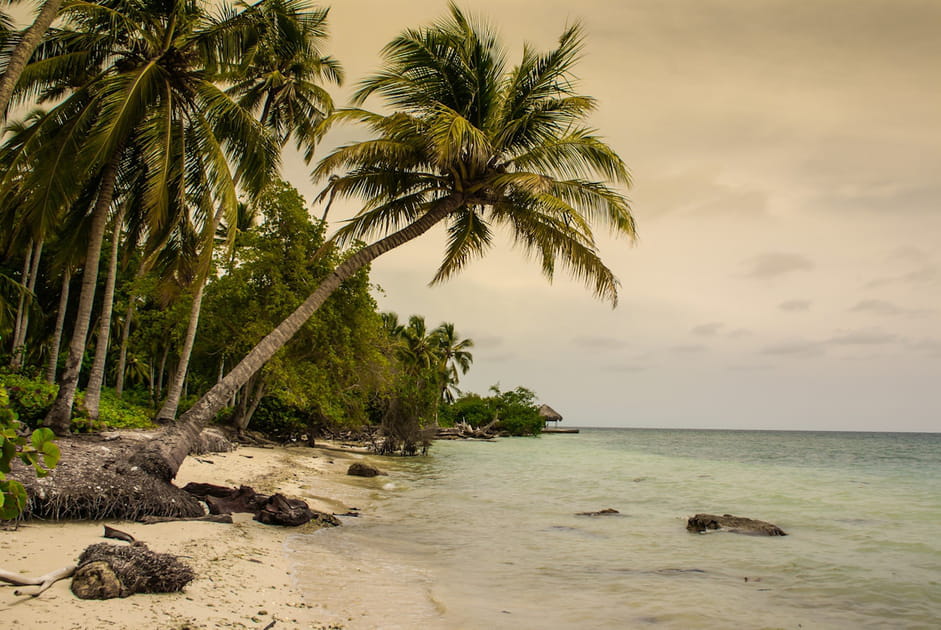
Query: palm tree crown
[(507, 147)]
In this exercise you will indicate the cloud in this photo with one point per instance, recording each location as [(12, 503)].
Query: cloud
[(863, 338), (793, 306), (599, 342), (626, 367), (928, 274), (775, 264), (689, 348), (708, 330), (487, 341), (930, 347), (883, 307), (795, 348)]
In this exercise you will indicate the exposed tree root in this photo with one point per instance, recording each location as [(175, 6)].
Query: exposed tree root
[(106, 571), (43, 581)]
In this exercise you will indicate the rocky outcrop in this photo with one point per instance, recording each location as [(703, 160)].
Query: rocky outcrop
[(735, 524)]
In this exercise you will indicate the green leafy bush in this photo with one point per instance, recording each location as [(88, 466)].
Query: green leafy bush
[(515, 410), (29, 398), (38, 451)]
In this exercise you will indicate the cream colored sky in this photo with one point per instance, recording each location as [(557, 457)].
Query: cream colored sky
[(787, 159)]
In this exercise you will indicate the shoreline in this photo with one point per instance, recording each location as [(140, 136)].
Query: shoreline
[(244, 576)]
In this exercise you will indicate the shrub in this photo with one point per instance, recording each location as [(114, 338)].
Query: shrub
[(30, 399), (38, 451)]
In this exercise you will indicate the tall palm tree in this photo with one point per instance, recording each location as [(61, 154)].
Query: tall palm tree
[(141, 75), (472, 145), (455, 359), (16, 52)]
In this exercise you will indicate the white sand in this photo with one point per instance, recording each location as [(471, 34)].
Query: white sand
[(243, 570)]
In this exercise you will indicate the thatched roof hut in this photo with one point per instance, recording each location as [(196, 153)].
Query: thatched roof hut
[(549, 414)]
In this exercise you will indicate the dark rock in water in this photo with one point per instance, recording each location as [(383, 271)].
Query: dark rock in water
[(736, 524), (604, 512), (359, 469)]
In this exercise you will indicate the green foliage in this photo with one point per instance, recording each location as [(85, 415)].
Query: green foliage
[(29, 398), (515, 411), (38, 450), (115, 413)]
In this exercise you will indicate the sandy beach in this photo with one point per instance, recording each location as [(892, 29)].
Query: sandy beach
[(244, 573)]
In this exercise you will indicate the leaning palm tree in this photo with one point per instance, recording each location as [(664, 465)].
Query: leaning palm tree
[(472, 144)]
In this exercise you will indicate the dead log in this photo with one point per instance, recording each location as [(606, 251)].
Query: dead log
[(242, 499), (203, 490), (43, 581), (117, 534), (106, 571), (209, 518)]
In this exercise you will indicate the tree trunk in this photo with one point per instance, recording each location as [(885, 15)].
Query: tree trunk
[(122, 355), (163, 455), (97, 377), (20, 307), (24, 50), (253, 392), (158, 394), (60, 415), (60, 324), (167, 412)]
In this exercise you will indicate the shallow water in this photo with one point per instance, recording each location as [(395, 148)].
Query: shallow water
[(484, 535)]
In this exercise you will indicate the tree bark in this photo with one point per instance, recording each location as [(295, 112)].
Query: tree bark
[(158, 394), (24, 50), (60, 415), (163, 455), (60, 324), (20, 307), (97, 376), (167, 412), (122, 355), (252, 394)]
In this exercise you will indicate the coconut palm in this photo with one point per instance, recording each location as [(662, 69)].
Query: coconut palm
[(455, 359), (472, 144), (139, 75), (17, 50)]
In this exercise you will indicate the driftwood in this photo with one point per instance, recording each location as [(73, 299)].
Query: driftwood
[(106, 571), (117, 534), (604, 512), (735, 524), (209, 518), (43, 581), (270, 510), (464, 431)]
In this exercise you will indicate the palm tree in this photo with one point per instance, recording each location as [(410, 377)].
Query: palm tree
[(139, 75), (455, 358), (473, 145), (15, 58)]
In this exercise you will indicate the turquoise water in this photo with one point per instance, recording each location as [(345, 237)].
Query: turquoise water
[(485, 535)]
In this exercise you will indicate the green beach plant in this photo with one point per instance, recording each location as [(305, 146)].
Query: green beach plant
[(471, 144), (38, 451)]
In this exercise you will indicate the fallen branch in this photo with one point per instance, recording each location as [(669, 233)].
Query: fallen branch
[(117, 534), (210, 518), (43, 581)]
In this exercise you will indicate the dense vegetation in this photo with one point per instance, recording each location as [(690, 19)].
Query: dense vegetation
[(154, 267)]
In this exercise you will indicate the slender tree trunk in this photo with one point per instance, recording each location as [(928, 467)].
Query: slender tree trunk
[(60, 324), (161, 371), (122, 354), (167, 412), (97, 377), (253, 396), (163, 455), (24, 50), (15, 350), (60, 415)]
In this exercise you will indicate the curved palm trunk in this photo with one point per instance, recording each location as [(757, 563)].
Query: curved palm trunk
[(20, 341), (163, 455), (167, 412), (24, 50), (97, 376), (60, 415), (60, 324)]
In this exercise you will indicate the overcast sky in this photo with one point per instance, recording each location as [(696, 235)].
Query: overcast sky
[(787, 158)]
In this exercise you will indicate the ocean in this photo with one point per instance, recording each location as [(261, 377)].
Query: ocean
[(485, 535)]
